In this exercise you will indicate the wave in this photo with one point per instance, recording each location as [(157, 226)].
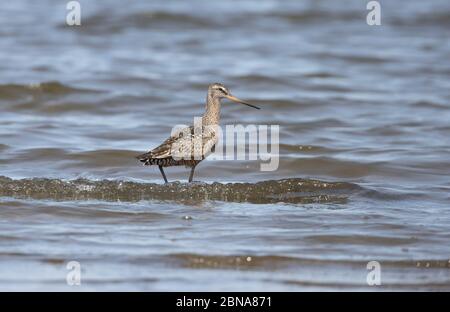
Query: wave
[(315, 15), (262, 79), (332, 166), (100, 23), (431, 105), (292, 190), (50, 97), (146, 19), (307, 149), (439, 19), (243, 261), (95, 158), (352, 58), (14, 91)]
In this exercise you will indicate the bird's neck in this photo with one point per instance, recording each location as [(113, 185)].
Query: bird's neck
[(212, 114)]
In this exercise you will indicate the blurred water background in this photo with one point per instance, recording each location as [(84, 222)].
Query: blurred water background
[(364, 145)]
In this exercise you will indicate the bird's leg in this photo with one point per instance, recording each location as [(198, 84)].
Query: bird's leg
[(163, 174), (191, 176)]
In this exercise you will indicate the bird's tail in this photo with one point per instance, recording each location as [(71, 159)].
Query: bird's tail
[(145, 158)]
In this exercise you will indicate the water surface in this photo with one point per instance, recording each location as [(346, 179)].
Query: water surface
[(364, 128)]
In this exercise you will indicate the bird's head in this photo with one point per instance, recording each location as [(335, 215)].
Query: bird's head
[(218, 90)]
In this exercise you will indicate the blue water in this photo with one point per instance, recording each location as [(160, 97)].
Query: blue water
[(364, 106)]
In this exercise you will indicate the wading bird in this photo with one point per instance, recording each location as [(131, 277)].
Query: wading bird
[(189, 146)]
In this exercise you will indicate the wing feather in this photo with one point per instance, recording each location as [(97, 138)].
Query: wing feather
[(184, 144)]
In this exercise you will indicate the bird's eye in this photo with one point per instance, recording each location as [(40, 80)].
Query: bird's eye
[(223, 90)]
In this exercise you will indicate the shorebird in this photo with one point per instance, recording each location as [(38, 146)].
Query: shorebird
[(188, 146)]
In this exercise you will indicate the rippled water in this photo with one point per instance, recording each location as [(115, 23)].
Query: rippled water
[(364, 156)]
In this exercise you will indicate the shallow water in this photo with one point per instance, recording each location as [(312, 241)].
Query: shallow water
[(364, 142)]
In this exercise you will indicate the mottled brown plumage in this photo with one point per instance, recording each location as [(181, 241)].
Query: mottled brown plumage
[(190, 145)]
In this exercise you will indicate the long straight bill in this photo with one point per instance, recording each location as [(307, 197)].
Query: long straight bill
[(235, 99)]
